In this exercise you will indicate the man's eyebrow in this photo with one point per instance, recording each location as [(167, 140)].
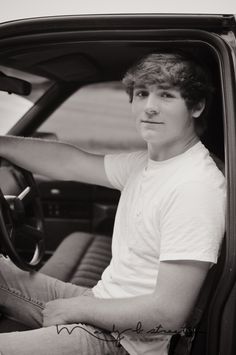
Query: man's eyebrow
[(160, 86), (141, 86), (166, 86)]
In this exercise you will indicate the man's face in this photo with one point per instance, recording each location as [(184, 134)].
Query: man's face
[(162, 117)]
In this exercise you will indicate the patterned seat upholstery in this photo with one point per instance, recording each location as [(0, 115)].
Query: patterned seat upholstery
[(80, 259)]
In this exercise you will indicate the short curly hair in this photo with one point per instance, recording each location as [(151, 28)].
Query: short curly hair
[(178, 70)]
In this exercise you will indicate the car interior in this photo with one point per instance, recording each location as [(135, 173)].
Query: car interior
[(71, 222)]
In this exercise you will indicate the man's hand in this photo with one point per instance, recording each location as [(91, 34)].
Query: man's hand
[(63, 311), (55, 312)]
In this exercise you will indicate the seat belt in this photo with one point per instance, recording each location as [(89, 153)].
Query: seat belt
[(187, 336)]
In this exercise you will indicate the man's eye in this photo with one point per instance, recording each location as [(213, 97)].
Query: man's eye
[(167, 95), (141, 93)]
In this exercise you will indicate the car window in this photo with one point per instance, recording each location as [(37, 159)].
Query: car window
[(12, 106), (97, 118)]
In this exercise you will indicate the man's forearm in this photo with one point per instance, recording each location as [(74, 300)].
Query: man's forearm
[(134, 313), (49, 158), (169, 306), (122, 314), (56, 160)]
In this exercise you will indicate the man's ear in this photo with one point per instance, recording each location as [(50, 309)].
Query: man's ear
[(198, 108)]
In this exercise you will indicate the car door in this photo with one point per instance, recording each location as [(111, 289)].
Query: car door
[(222, 315)]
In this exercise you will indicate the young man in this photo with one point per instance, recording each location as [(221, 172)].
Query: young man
[(168, 229)]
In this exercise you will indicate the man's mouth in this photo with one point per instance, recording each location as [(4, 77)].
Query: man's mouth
[(152, 122)]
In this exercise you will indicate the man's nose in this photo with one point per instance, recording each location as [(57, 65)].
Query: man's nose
[(152, 106)]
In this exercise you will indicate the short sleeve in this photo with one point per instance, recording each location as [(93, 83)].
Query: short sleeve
[(192, 223), (118, 167)]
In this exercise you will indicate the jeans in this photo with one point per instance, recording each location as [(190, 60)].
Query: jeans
[(23, 296)]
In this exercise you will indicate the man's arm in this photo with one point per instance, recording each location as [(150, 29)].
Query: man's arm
[(54, 159), (178, 284)]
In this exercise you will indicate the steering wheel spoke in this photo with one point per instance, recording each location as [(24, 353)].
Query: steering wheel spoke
[(26, 195)]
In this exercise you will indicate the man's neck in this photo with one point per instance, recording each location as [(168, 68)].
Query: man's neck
[(159, 153)]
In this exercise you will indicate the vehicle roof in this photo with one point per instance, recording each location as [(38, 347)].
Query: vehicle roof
[(53, 47), (13, 10), (91, 47)]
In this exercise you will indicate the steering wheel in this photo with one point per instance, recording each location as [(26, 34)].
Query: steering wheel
[(14, 225)]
